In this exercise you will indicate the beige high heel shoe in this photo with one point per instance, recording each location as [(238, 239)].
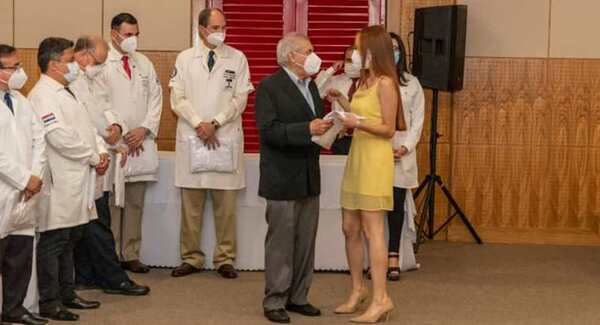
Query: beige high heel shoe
[(376, 314), (351, 307)]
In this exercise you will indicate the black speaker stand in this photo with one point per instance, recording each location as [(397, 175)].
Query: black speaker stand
[(426, 212)]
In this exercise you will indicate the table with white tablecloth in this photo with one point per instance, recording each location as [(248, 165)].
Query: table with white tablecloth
[(162, 219)]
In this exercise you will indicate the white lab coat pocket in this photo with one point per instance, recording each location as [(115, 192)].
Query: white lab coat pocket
[(144, 164), (222, 159)]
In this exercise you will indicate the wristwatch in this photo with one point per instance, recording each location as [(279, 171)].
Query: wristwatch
[(215, 124)]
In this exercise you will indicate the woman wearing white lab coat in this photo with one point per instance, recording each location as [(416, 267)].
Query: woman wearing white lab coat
[(401, 219), (215, 98)]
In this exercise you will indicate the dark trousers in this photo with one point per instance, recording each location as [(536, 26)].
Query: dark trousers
[(341, 146), (96, 260), (290, 251), (16, 256), (56, 280), (396, 220)]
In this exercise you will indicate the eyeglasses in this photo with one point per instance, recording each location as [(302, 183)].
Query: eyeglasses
[(15, 68)]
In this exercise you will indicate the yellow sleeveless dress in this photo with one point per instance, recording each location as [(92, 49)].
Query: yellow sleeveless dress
[(369, 175)]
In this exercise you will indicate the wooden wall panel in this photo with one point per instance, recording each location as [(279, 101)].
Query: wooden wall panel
[(164, 63), (525, 161)]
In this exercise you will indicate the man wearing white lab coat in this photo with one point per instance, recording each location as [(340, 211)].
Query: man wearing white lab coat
[(96, 261), (132, 89), (75, 155), (209, 89), (22, 164), (346, 83)]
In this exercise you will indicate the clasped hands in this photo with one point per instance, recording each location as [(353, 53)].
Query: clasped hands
[(207, 132)]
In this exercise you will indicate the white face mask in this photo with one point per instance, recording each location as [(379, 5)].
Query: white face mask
[(17, 80), (91, 71), (216, 38), (357, 60), (129, 45), (312, 64), (351, 70), (73, 72)]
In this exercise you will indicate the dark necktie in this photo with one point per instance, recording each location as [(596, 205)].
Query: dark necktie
[(9, 102), (126, 66), (70, 92), (352, 89), (211, 60)]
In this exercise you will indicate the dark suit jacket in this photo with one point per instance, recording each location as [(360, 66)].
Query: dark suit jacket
[(289, 160)]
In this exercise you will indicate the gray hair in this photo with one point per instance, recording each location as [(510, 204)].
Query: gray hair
[(288, 44)]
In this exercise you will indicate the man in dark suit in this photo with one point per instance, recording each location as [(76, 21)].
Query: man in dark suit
[(289, 112)]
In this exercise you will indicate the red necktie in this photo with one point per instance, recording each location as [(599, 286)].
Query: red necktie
[(352, 89), (126, 67)]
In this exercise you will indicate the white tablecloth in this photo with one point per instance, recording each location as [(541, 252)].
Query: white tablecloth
[(162, 219)]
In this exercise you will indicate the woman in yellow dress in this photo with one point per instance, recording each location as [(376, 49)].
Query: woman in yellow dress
[(374, 113)]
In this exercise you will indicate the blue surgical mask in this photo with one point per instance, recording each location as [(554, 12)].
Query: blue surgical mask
[(396, 56)]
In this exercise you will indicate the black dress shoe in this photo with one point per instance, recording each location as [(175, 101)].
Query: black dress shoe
[(306, 310), (27, 319), (128, 288), (80, 303), (135, 266), (61, 315), (227, 271), (277, 316)]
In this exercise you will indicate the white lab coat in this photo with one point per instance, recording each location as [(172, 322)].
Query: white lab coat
[(198, 95), (73, 151), (326, 80), (137, 102), (406, 176), (413, 102), (101, 116), (22, 152)]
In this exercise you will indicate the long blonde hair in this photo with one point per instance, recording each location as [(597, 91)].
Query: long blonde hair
[(376, 41)]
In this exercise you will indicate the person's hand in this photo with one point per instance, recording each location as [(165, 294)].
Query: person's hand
[(136, 151), (124, 151), (338, 65), (350, 121), (114, 134), (28, 195), (333, 95), (319, 126), (400, 152), (208, 128), (34, 185), (135, 137), (103, 165), (212, 142)]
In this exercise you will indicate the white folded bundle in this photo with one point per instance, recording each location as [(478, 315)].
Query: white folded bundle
[(21, 215), (221, 159), (326, 139), (144, 164), (119, 182)]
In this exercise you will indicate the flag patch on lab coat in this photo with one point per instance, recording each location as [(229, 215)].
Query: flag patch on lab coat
[(49, 119)]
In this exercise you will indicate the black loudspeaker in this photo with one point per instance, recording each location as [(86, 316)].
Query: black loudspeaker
[(439, 47)]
